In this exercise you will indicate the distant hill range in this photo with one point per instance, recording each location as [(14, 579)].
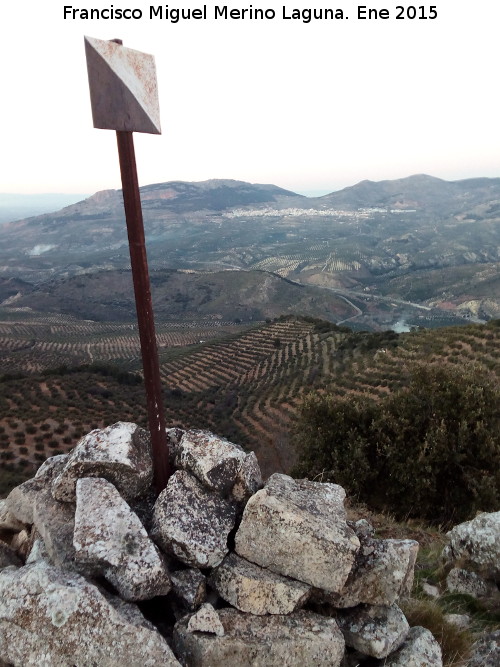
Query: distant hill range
[(393, 248)]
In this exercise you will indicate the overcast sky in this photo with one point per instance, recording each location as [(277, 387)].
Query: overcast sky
[(309, 107)]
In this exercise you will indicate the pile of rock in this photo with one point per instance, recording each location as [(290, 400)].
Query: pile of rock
[(231, 571), (472, 556)]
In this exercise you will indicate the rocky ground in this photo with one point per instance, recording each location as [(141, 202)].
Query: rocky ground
[(220, 568)]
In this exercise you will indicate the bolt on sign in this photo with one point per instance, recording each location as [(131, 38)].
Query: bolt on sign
[(124, 97)]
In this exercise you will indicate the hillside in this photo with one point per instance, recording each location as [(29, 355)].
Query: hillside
[(372, 238), (246, 386), (179, 296)]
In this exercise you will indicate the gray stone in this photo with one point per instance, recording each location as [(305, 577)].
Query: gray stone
[(50, 618), (8, 556), (297, 528), (383, 572), (431, 590), (38, 550), (191, 522), (469, 583), (110, 538), (20, 501), (477, 543), (419, 649), (486, 651), (363, 528), (21, 543), (459, 621), (373, 630), (8, 521), (214, 461), (248, 479), (190, 587), (52, 466), (174, 436), (297, 640), (253, 589), (55, 523), (120, 453), (206, 619)]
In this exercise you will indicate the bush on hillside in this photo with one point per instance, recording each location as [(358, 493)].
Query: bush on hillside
[(431, 450)]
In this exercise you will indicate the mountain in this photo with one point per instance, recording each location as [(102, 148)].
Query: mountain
[(374, 241), (426, 194)]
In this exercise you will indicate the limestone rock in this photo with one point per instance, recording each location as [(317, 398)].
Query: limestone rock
[(50, 618), (21, 543), (459, 621), (191, 522), (8, 556), (38, 550), (109, 537), (19, 503), (174, 436), (297, 640), (52, 466), (252, 589), (297, 528), (383, 572), (8, 521), (21, 500), (119, 453), (419, 649), (206, 619), (363, 528), (477, 542), (486, 651), (55, 523), (431, 590), (470, 583), (373, 630), (248, 479), (214, 461), (190, 587)]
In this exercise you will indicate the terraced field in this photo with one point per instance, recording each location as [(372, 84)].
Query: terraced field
[(32, 343), (247, 385)]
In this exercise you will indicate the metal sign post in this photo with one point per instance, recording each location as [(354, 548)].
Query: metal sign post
[(124, 97)]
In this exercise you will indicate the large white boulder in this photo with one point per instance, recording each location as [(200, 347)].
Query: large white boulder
[(120, 453), (110, 538), (51, 618), (297, 640), (298, 528)]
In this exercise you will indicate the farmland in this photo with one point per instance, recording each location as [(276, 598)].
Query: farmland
[(244, 382)]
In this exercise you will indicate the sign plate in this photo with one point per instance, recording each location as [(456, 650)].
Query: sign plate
[(123, 87)]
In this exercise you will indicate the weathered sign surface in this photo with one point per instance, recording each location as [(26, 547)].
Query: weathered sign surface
[(123, 87)]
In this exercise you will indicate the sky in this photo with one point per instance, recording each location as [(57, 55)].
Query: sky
[(311, 107)]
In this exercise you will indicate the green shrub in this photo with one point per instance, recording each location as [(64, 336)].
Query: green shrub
[(431, 450)]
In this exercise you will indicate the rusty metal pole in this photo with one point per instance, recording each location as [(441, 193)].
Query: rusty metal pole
[(144, 306), (124, 97)]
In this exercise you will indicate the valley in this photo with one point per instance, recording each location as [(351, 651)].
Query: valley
[(418, 240)]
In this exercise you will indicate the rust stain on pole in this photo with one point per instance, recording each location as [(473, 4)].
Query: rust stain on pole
[(144, 306), (124, 97)]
